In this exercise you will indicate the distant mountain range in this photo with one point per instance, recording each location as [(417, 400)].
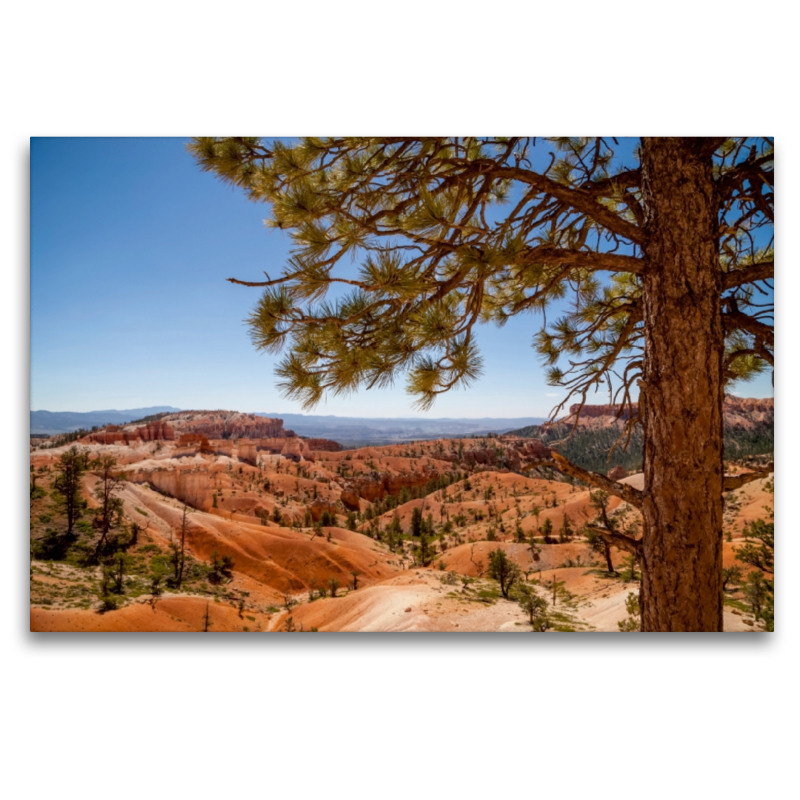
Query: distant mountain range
[(360, 431), (348, 431), (50, 422)]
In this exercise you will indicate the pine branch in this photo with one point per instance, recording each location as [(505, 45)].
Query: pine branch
[(755, 272), (608, 262), (582, 200), (763, 334)]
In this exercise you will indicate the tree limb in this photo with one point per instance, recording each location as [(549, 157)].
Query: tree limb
[(747, 323), (627, 493), (611, 262), (619, 540), (579, 199), (751, 274), (732, 482)]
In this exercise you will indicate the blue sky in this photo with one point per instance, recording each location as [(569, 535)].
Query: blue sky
[(130, 248)]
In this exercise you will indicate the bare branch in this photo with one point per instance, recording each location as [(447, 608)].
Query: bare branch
[(732, 482), (627, 493), (619, 540)]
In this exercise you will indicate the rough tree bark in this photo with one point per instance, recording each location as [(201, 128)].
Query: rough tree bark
[(609, 562), (682, 390)]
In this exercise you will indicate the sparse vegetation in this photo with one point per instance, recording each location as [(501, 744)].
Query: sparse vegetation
[(536, 609), (731, 575), (503, 570), (141, 559), (633, 621)]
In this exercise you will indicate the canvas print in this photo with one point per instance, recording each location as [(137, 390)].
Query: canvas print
[(389, 384)]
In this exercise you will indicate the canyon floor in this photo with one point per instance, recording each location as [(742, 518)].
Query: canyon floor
[(277, 536)]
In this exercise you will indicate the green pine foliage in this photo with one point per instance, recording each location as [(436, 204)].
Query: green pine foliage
[(503, 570), (401, 246)]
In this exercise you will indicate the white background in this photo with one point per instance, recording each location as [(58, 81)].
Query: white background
[(127, 715)]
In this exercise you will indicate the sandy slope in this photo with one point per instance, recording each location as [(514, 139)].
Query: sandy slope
[(413, 601), (176, 613)]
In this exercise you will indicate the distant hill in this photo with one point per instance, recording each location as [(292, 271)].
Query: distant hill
[(749, 430), (360, 431), (348, 431), (50, 422)]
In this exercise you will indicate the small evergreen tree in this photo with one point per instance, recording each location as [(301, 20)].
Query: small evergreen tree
[(535, 607), (416, 522), (121, 564), (761, 553), (554, 585), (731, 575), (179, 552), (158, 571), (630, 562), (599, 545), (503, 570), (565, 532), (536, 511), (71, 465), (633, 621), (756, 593), (107, 487)]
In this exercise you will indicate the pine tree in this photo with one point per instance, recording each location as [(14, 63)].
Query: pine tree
[(394, 533), (109, 484), (416, 522), (632, 622), (599, 545), (536, 511), (70, 467), (759, 588), (423, 550), (666, 251), (503, 570), (731, 575), (565, 532), (536, 609)]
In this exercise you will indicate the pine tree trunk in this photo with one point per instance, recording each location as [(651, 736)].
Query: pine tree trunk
[(609, 563), (682, 390)]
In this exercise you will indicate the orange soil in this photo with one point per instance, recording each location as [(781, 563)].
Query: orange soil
[(178, 613), (416, 600), (270, 559)]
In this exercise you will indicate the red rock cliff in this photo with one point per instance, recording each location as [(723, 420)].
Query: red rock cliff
[(229, 425), (324, 444), (152, 432), (737, 411)]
